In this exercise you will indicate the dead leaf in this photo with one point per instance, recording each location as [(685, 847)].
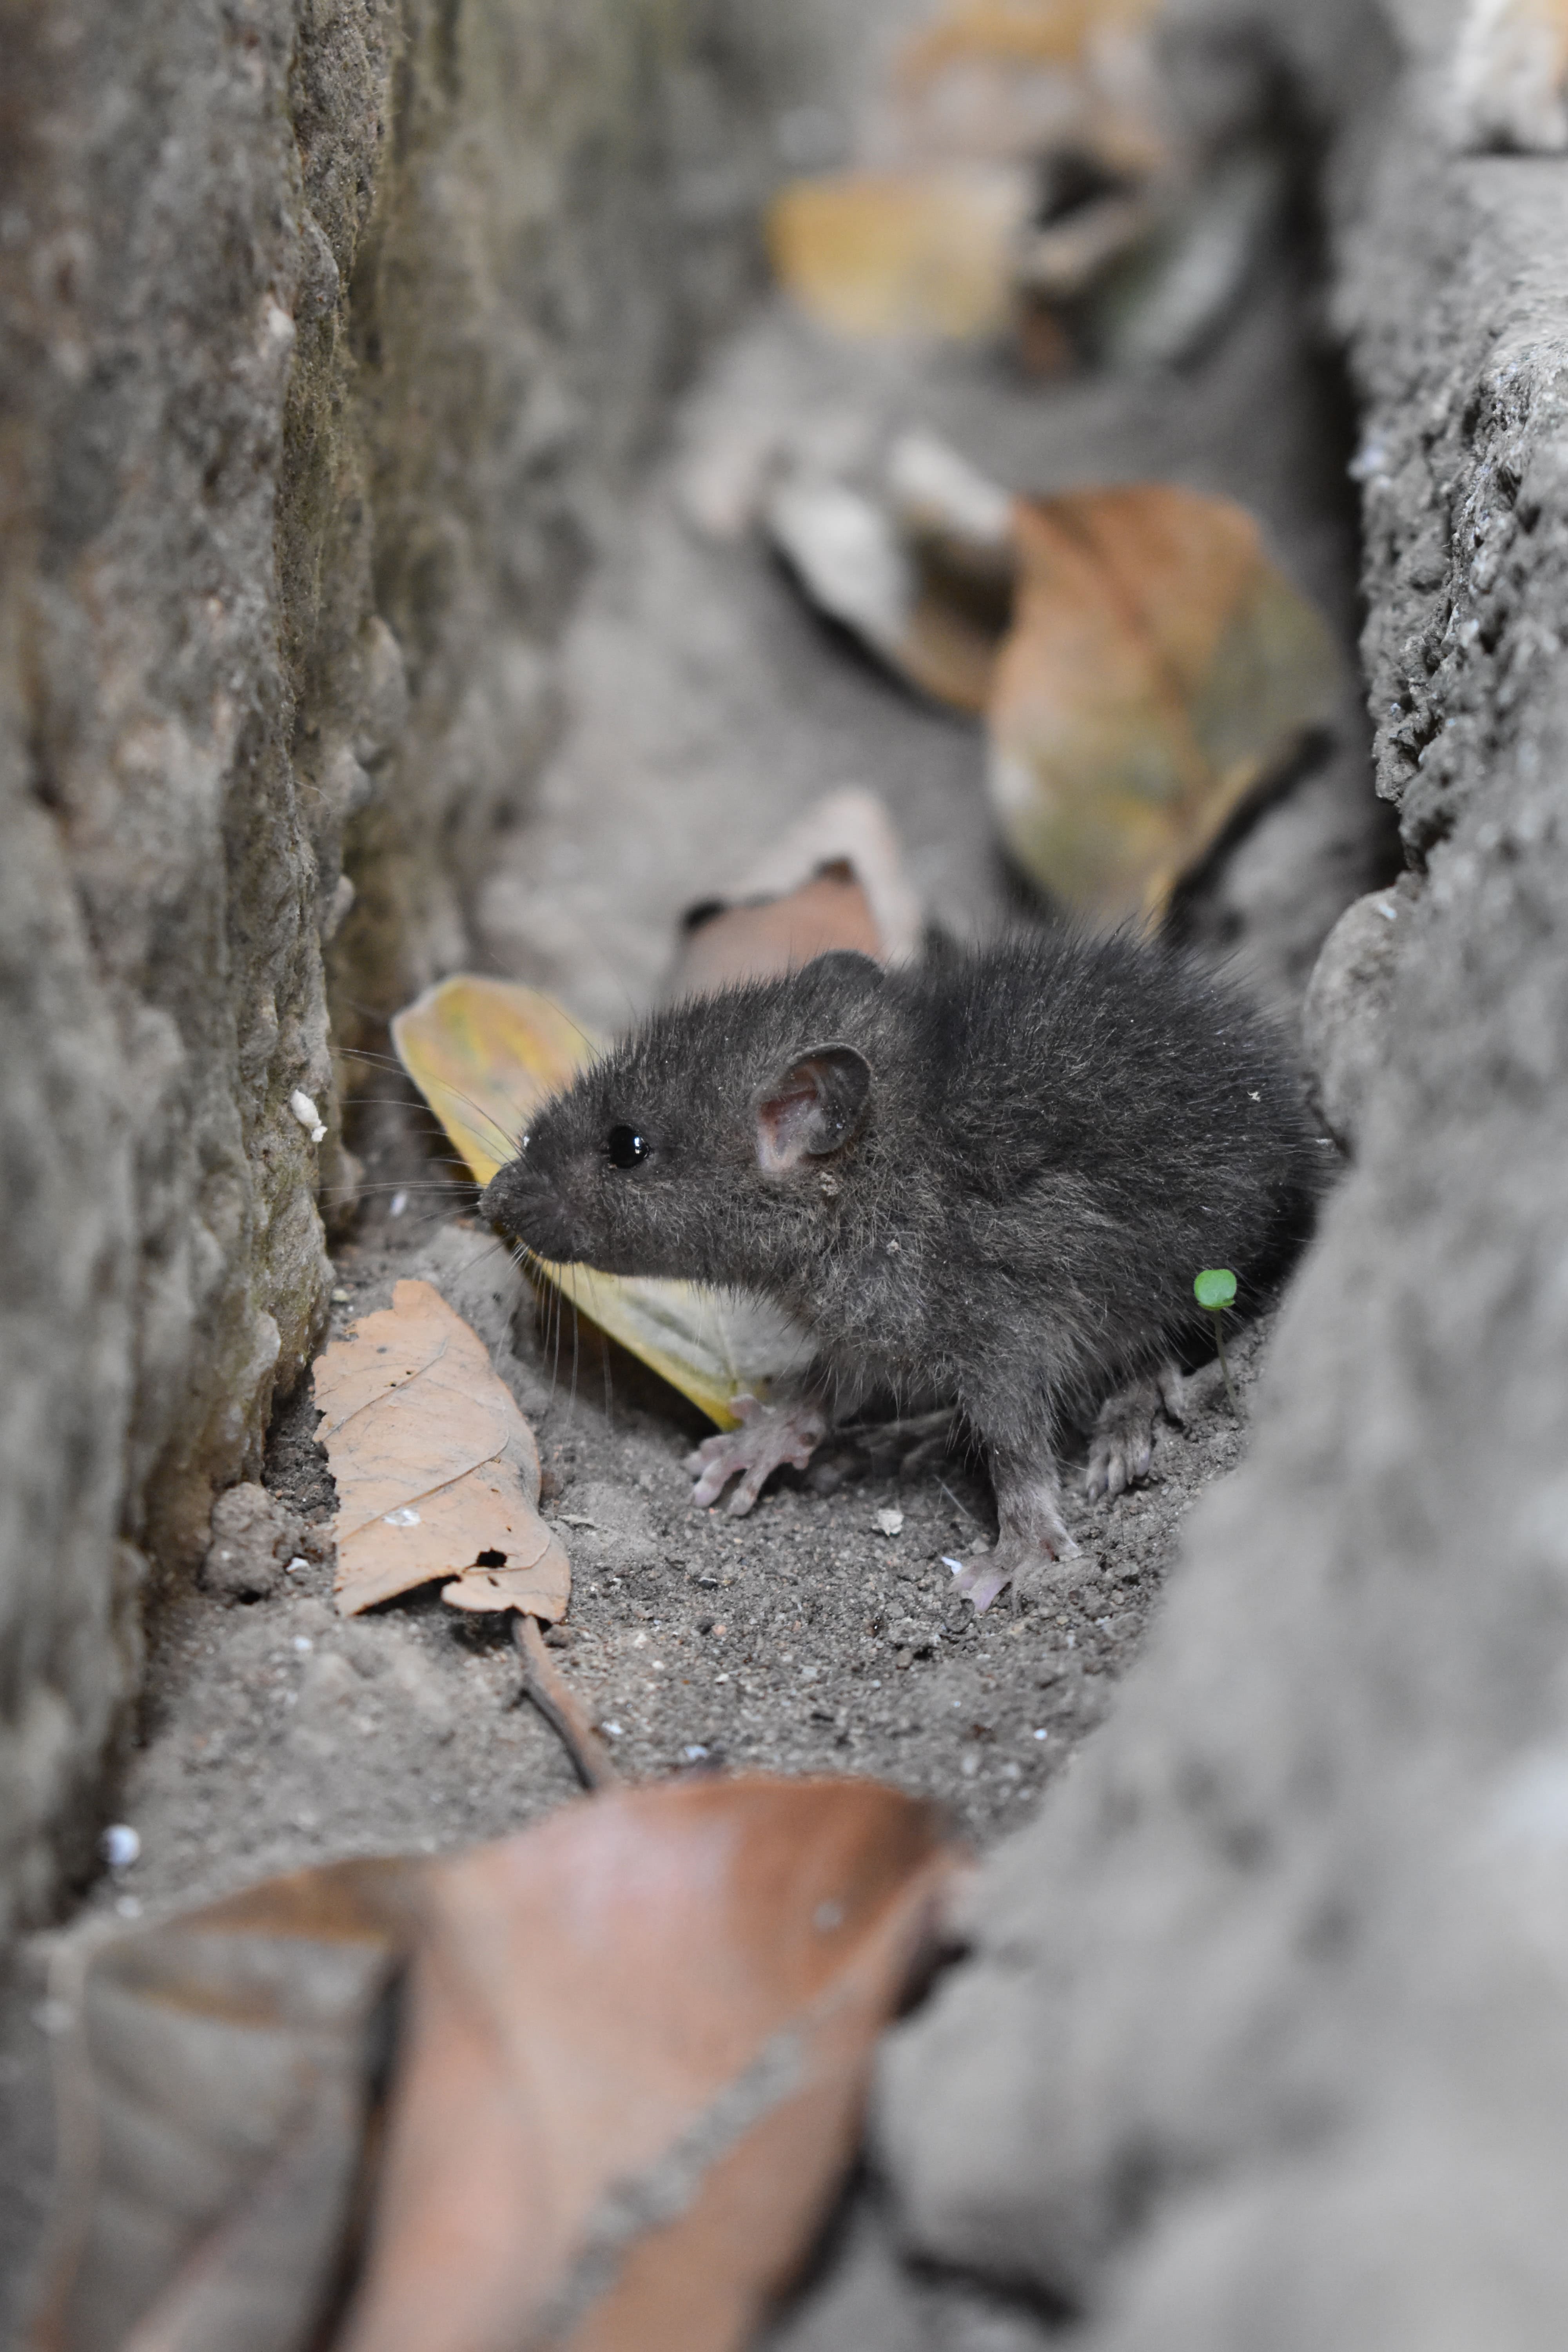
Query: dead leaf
[(642, 2035), (924, 253), (858, 565), (483, 1052), (436, 1470), (1035, 79), (1158, 667), (1141, 662), (628, 2081), (834, 879), (215, 2091)]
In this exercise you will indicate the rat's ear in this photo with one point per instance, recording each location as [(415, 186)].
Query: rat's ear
[(813, 1107)]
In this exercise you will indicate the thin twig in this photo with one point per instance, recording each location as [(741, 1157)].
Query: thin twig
[(542, 1684), (1225, 1369)]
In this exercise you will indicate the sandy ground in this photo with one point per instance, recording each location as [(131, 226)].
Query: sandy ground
[(702, 706)]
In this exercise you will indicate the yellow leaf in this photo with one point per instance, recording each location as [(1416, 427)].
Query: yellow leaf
[(1158, 667), (436, 1470), (483, 1053), (920, 252)]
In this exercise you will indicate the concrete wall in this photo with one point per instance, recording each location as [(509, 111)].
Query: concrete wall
[(329, 326)]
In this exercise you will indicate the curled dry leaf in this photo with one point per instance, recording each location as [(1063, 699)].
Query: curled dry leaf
[(1158, 667), (834, 879), (626, 2086), (436, 1470), (483, 1053), (926, 616), (213, 2093)]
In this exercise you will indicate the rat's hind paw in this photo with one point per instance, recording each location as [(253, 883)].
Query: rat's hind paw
[(768, 1435), (1122, 1445), (1031, 1535), (1012, 1560)]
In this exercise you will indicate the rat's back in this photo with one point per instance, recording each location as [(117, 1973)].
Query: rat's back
[(1107, 1117)]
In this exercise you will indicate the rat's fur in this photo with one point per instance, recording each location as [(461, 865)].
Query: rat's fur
[(1058, 1133)]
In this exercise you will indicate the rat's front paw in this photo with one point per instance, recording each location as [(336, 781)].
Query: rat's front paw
[(1122, 1445), (768, 1436)]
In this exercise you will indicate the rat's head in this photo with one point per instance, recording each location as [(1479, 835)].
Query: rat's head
[(699, 1147)]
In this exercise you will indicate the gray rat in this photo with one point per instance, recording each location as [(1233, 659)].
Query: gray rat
[(988, 1180)]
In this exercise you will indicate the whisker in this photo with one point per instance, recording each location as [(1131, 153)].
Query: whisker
[(507, 1137)]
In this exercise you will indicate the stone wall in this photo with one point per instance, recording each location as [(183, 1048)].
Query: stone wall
[(330, 326)]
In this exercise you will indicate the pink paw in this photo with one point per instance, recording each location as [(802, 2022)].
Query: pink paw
[(768, 1436), (1004, 1564)]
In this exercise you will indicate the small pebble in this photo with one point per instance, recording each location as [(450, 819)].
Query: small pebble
[(120, 1845)]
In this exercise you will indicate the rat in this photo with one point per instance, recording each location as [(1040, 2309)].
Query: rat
[(986, 1181)]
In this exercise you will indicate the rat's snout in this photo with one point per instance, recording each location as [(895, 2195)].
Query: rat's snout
[(523, 1201)]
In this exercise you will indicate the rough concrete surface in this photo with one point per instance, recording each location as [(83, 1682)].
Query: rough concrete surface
[(1263, 2041), (330, 330)]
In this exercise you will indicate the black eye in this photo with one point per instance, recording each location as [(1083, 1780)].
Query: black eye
[(625, 1147)]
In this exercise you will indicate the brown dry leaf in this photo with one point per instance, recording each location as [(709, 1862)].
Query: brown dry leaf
[(628, 2082), (214, 2094), (483, 1052), (1031, 79), (834, 879), (922, 253), (778, 934), (641, 2039), (1158, 667), (436, 1470)]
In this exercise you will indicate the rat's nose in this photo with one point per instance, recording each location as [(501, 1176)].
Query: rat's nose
[(523, 1204)]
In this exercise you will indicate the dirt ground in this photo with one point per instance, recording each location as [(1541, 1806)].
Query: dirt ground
[(702, 706)]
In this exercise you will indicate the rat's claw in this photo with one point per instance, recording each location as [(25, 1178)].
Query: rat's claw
[(768, 1436), (1009, 1561), (1122, 1449)]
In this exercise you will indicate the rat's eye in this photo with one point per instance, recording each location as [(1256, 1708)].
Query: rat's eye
[(625, 1147)]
